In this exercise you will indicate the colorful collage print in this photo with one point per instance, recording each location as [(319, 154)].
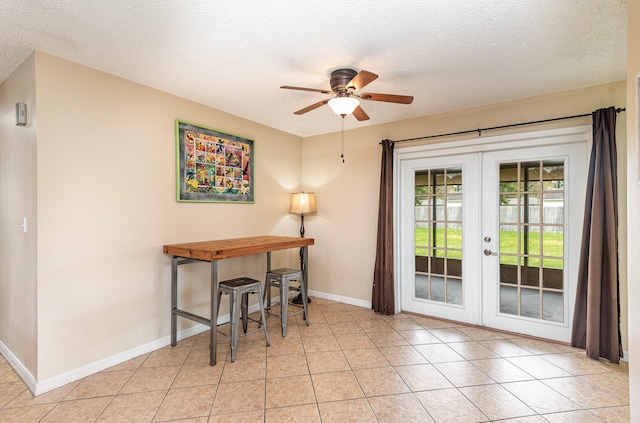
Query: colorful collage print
[(216, 165)]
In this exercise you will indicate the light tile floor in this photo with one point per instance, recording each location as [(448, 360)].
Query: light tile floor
[(349, 365)]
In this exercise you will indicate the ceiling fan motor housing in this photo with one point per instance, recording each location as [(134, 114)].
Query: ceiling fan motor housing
[(339, 80)]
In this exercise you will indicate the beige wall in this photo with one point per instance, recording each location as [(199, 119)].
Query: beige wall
[(633, 72), (347, 194), (106, 205), (17, 201)]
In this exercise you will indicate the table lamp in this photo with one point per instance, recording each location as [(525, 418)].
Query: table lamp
[(302, 203)]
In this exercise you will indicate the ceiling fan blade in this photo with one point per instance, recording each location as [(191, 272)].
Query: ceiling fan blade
[(312, 107), (361, 79), (360, 114), (389, 98), (287, 87)]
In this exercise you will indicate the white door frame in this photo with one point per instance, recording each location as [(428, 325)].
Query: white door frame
[(574, 134)]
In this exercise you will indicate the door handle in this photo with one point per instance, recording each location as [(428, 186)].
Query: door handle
[(488, 252)]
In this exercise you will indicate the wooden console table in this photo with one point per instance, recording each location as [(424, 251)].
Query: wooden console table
[(212, 251)]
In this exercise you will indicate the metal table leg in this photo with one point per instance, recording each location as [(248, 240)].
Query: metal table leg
[(214, 313), (269, 261), (174, 300), (305, 270)]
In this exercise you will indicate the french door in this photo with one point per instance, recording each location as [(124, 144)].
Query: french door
[(441, 200), (492, 238)]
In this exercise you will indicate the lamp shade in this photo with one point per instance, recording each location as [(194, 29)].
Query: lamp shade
[(343, 105), (303, 203)]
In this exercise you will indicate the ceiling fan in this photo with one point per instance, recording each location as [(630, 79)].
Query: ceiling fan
[(344, 85)]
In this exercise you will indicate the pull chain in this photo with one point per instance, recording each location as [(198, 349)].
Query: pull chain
[(342, 139)]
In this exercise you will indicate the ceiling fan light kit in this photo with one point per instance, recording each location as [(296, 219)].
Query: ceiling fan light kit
[(343, 106)]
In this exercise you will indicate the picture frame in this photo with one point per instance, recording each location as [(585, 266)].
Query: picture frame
[(213, 166)]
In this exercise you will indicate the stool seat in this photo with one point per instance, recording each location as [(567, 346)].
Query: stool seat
[(240, 283), (285, 271), (281, 279), (239, 290)]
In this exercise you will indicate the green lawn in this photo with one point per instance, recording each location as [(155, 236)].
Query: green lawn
[(552, 245)]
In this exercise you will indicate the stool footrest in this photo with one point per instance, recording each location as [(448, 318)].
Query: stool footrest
[(268, 310), (259, 328)]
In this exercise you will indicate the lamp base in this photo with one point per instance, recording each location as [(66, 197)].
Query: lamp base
[(298, 299)]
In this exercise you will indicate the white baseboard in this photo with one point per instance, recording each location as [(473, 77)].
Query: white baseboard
[(89, 369), (50, 384), (19, 368), (625, 355), (340, 299), (46, 385), (41, 387)]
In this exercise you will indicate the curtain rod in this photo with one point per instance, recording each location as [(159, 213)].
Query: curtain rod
[(479, 130)]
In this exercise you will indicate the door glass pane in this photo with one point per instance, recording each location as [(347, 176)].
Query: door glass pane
[(509, 300), (552, 306), (454, 291), (437, 264), (438, 235), (532, 176), (530, 236), (530, 208), (454, 237), (509, 243), (437, 289), (509, 178), (553, 263), (530, 303), (421, 286), (553, 174), (553, 211), (508, 273), (421, 200), (529, 275), (438, 178), (553, 241), (455, 180), (508, 208), (552, 278), (454, 212), (531, 239), (454, 266)]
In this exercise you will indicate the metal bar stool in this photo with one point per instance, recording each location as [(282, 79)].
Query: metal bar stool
[(239, 290), (281, 278)]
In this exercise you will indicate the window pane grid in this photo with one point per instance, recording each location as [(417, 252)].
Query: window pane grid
[(531, 238), (438, 235)]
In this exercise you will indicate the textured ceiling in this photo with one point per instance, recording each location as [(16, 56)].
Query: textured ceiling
[(234, 55)]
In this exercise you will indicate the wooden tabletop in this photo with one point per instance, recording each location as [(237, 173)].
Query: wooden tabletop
[(227, 248)]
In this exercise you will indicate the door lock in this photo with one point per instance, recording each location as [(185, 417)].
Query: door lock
[(488, 252)]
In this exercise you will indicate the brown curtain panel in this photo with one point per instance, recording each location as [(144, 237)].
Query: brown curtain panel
[(383, 280), (597, 311)]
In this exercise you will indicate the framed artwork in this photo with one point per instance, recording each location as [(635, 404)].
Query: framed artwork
[(213, 166)]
